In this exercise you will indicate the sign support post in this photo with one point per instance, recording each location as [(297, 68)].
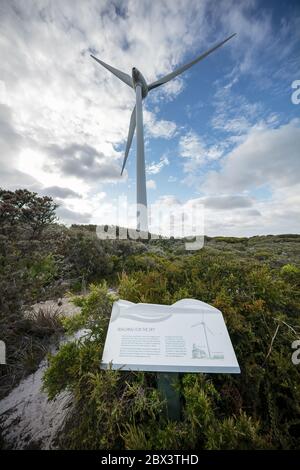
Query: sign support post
[(168, 384)]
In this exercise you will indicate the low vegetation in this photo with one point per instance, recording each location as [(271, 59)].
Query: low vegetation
[(253, 281)]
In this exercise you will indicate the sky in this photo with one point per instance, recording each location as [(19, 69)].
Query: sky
[(226, 134)]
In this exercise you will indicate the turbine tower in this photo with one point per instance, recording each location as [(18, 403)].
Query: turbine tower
[(138, 83)]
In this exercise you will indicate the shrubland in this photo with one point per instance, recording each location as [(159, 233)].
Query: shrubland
[(253, 281), (124, 410)]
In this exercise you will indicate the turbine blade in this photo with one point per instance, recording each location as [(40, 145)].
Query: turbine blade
[(182, 69), (121, 75), (129, 138)]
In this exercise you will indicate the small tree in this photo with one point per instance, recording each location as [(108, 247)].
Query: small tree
[(25, 207)]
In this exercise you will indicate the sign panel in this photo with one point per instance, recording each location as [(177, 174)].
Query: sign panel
[(188, 336)]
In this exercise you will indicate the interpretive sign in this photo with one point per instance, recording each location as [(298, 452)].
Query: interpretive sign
[(188, 336)]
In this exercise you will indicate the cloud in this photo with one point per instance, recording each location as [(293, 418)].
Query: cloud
[(69, 97), (60, 193), (159, 128), (169, 91), (172, 179), (84, 162), (12, 178), (196, 153), (191, 146), (64, 119), (261, 43), (151, 184), (227, 117), (10, 140), (155, 167), (253, 212), (236, 125), (72, 217), (266, 157), (227, 202), (10, 145), (216, 219), (278, 215), (168, 200)]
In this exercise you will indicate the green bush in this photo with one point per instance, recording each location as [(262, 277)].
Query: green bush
[(254, 282), (291, 273), (124, 410)]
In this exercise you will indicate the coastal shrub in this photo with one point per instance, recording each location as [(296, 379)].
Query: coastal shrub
[(258, 409)]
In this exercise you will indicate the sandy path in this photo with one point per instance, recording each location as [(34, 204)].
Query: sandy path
[(27, 418)]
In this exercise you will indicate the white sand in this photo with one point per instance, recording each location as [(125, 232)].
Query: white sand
[(27, 418)]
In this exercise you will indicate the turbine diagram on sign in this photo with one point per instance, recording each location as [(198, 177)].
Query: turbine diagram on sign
[(138, 83), (200, 352)]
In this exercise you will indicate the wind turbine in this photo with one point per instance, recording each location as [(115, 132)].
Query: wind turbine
[(141, 88)]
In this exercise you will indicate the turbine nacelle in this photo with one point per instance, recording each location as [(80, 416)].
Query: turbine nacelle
[(138, 79)]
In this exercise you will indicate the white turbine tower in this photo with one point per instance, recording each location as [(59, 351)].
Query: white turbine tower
[(139, 84)]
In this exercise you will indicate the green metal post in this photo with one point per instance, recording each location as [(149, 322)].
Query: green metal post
[(168, 386)]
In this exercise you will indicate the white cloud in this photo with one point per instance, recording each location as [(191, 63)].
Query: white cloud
[(71, 104), (155, 167), (172, 179), (72, 217), (169, 91), (10, 139), (151, 184), (191, 146), (280, 214), (64, 119), (11, 178), (57, 97), (168, 200), (159, 128), (60, 192), (227, 202), (196, 153), (84, 162), (266, 157), (228, 105)]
